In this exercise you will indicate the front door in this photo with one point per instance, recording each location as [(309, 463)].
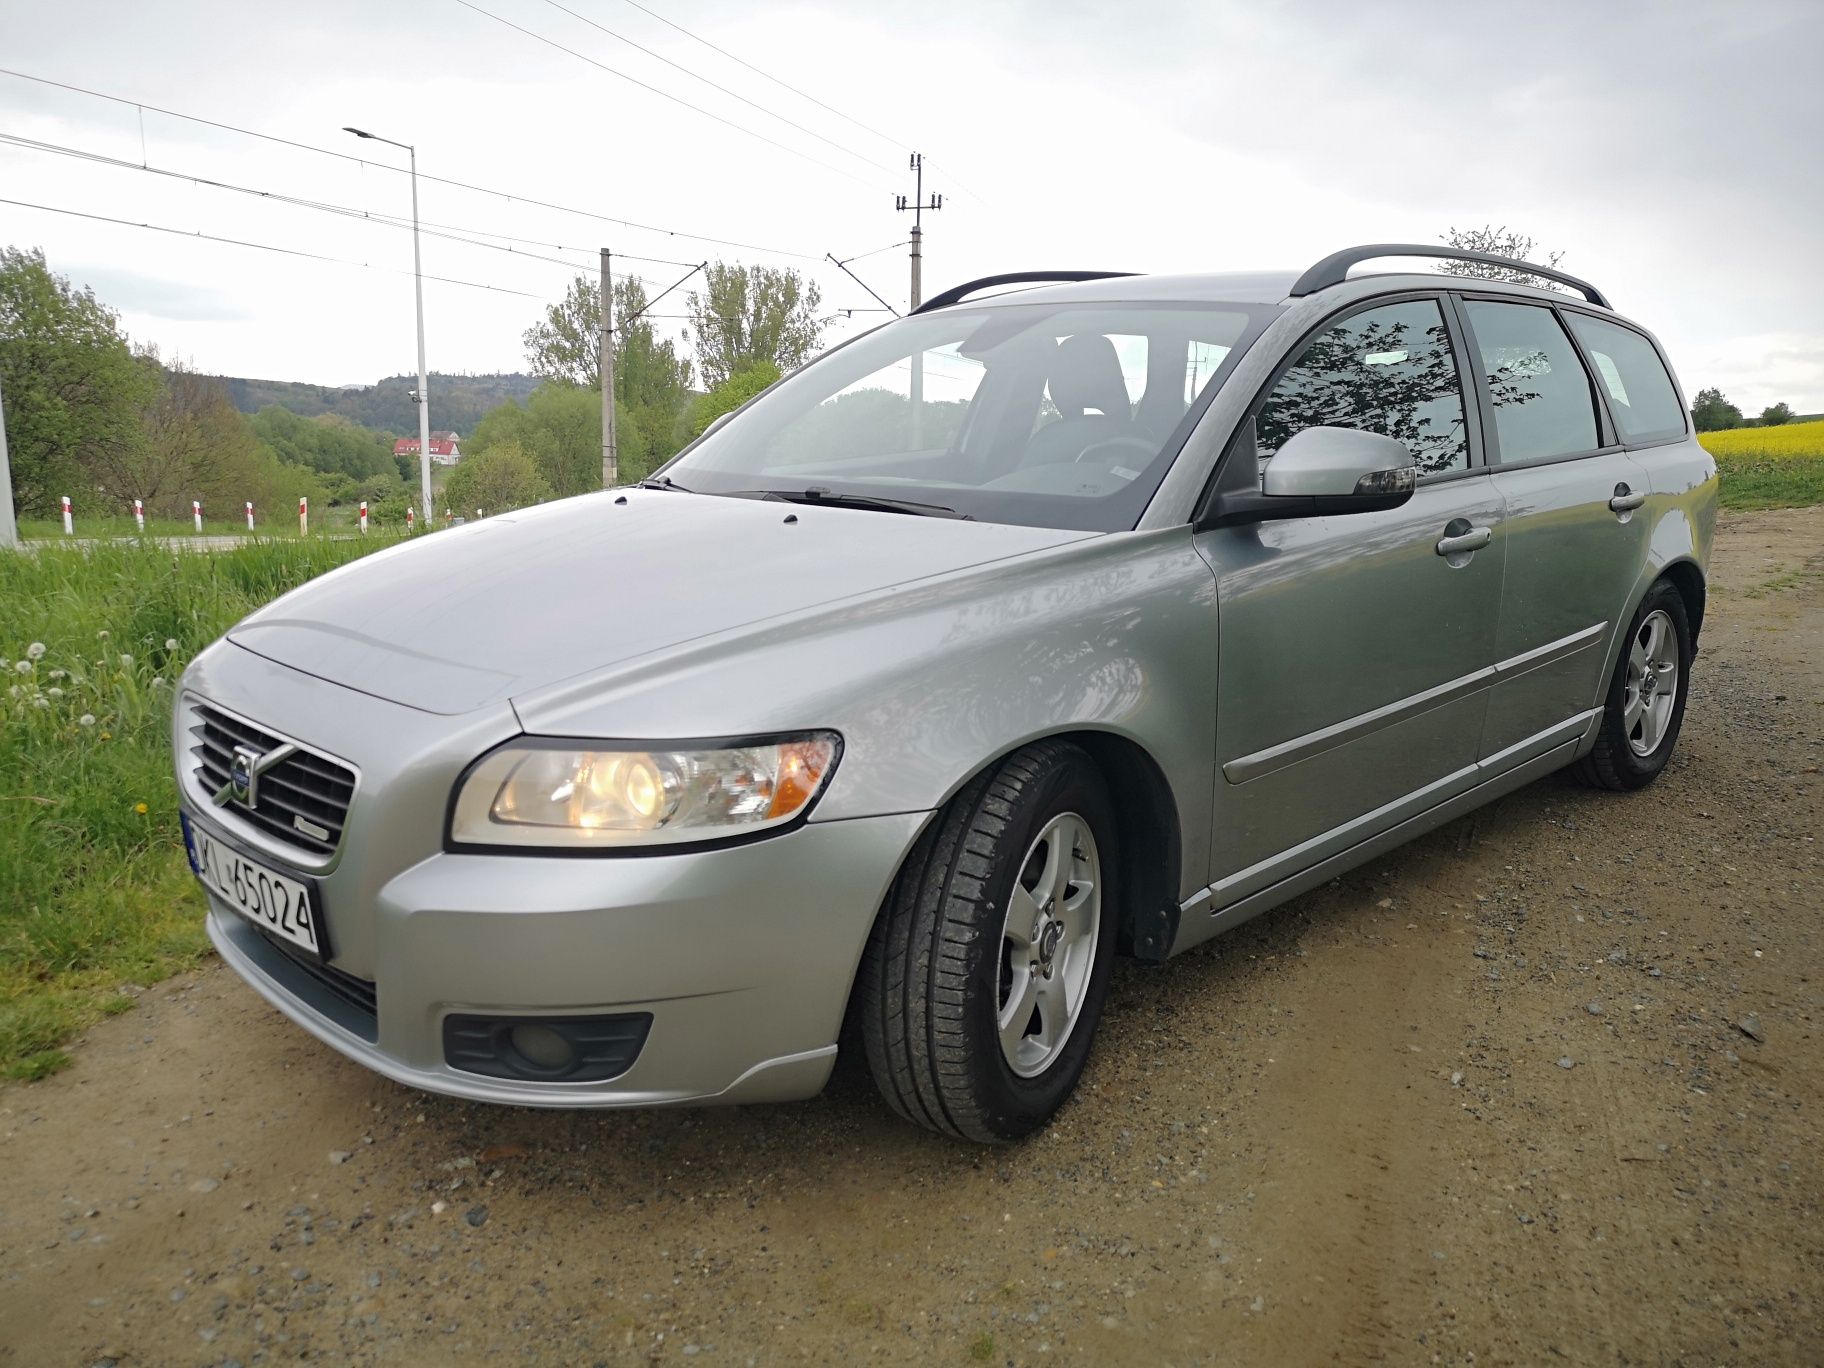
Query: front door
[(1354, 651)]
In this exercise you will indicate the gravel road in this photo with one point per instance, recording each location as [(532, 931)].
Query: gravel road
[(1545, 1085)]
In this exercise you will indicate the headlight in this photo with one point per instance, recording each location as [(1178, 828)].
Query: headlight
[(567, 795)]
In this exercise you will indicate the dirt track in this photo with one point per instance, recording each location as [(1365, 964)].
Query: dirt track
[(1495, 1098)]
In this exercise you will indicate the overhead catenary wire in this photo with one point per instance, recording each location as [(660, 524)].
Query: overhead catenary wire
[(716, 85), (323, 206), (663, 94), (364, 162), (263, 246)]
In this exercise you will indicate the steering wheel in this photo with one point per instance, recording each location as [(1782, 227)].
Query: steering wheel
[(1116, 445)]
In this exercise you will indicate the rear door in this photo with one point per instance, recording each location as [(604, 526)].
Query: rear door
[(1574, 543), (1353, 652)]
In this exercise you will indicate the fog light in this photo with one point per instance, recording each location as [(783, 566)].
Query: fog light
[(542, 1047)]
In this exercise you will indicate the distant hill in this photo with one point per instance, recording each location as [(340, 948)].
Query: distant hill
[(457, 401)]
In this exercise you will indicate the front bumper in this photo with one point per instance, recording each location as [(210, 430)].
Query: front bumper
[(743, 957)]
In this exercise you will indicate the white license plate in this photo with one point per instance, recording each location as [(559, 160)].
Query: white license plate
[(262, 895)]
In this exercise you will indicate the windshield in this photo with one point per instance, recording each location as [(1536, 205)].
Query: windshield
[(1045, 415)]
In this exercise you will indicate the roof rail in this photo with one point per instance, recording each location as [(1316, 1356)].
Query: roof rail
[(1334, 269), (956, 293)]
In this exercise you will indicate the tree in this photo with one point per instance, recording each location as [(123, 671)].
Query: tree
[(559, 427), (1775, 414), (502, 477), (754, 314), (1501, 241), (565, 346), (1710, 412), (733, 392), (73, 387), (328, 443)]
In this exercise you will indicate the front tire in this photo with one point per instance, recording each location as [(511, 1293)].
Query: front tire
[(986, 971), (1645, 706)]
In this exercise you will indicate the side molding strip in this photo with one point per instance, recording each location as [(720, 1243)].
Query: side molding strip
[(1274, 758)]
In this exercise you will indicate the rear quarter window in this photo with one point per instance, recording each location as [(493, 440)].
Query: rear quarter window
[(1642, 398)]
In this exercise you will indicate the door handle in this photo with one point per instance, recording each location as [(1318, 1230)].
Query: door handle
[(1462, 543), (1625, 500)]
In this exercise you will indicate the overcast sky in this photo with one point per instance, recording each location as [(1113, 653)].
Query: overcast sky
[(1672, 151)]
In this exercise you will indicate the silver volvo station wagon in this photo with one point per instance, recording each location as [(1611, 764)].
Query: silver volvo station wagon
[(1085, 618)]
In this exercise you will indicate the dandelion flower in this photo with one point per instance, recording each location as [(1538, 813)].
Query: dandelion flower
[(107, 736), (103, 634), (14, 692), (86, 720), (158, 681), (141, 809), (170, 643), (54, 691), (126, 659), (58, 674), (41, 702), (36, 650), (23, 666)]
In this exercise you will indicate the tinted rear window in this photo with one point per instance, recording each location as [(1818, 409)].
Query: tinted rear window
[(1641, 394)]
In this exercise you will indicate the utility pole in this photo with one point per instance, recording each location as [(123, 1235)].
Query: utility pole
[(611, 470), (9, 529), (918, 207)]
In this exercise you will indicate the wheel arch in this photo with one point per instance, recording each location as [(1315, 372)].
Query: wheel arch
[(1688, 579)]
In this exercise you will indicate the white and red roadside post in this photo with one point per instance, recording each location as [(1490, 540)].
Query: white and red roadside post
[(364, 517), (196, 513), (303, 516), (69, 526), (250, 515), (448, 516), (408, 520), (139, 514)]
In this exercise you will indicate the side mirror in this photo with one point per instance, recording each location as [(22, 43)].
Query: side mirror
[(1319, 471)]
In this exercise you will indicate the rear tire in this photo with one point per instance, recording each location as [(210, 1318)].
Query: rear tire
[(1646, 701), (986, 971)]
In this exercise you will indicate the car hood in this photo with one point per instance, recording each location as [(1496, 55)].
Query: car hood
[(466, 617)]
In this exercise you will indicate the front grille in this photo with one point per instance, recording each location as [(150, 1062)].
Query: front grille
[(303, 800)]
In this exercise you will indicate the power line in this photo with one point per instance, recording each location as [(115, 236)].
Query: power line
[(422, 175), (662, 94), (343, 210), (784, 85), (715, 85), (262, 246), (769, 76)]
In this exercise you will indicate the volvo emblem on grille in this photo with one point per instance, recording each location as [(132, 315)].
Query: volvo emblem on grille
[(244, 771)]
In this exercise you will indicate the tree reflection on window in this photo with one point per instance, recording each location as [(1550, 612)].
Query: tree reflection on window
[(1388, 370)]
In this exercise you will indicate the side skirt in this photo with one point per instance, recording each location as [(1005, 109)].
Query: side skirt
[(1199, 923)]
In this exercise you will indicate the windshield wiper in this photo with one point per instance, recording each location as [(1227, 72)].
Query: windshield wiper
[(819, 494), (663, 482)]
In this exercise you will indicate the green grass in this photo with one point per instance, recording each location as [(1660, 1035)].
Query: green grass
[(1771, 481), (95, 893)]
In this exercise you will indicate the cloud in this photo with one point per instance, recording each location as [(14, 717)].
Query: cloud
[(154, 296), (1763, 369)]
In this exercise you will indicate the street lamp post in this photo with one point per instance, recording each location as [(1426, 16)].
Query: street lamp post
[(423, 396)]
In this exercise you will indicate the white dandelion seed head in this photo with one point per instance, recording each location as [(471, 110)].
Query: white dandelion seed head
[(86, 720), (158, 681), (170, 643), (23, 666), (54, 692), (102, 634), (41, 702), (126, 659), (36, 650), (59, 674)]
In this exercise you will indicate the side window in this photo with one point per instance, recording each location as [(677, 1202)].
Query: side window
[(1641, 394), (1388, 370), (1542, 398)]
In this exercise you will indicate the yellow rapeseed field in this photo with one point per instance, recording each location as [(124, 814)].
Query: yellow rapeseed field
[(1789, 439)]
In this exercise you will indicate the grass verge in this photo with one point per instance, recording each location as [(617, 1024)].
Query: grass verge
[(95, 894), (1769, 467)]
